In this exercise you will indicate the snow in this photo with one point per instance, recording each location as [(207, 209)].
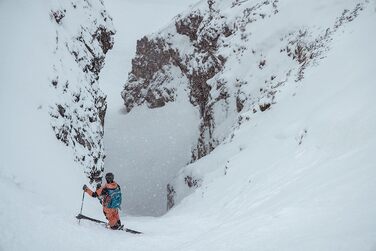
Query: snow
[(32, 161), (300, 176), (146, 148)]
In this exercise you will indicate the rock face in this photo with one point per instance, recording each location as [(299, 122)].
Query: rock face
[(234, 61), (84, 34)]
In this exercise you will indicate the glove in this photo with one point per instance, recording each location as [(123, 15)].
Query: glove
[(84, 187)]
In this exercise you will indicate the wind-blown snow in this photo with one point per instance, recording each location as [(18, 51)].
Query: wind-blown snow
[(300, 176), (146, 148)]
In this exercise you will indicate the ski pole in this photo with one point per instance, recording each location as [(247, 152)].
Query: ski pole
[(82, 205)]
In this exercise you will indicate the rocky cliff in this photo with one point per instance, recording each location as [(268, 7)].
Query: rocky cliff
[(232, 58), (84, 34)]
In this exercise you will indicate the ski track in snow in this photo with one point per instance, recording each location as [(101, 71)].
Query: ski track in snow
[(277, 194)]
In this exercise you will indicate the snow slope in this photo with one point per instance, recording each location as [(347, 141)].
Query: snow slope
[(42, 181), (299, 176), (33, 163), (231, 60)]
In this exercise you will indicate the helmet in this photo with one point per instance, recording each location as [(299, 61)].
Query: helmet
[(109, 177)]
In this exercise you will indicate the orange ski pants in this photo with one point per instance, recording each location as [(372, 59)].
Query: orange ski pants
[(112, 215)]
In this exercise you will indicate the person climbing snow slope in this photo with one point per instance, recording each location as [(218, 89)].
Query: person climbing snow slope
[(110, 197)]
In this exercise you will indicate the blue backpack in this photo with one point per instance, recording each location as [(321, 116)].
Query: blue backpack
[(115, 195)]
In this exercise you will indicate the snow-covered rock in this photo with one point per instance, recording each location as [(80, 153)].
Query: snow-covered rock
[(84, 34), (232, 59)]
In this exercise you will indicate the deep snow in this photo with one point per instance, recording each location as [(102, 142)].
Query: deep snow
[(277, 194)]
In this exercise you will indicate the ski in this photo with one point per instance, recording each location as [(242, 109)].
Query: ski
[(84, 217), (129, 230)]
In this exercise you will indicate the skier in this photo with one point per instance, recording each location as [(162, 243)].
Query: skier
[(110, 197)]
